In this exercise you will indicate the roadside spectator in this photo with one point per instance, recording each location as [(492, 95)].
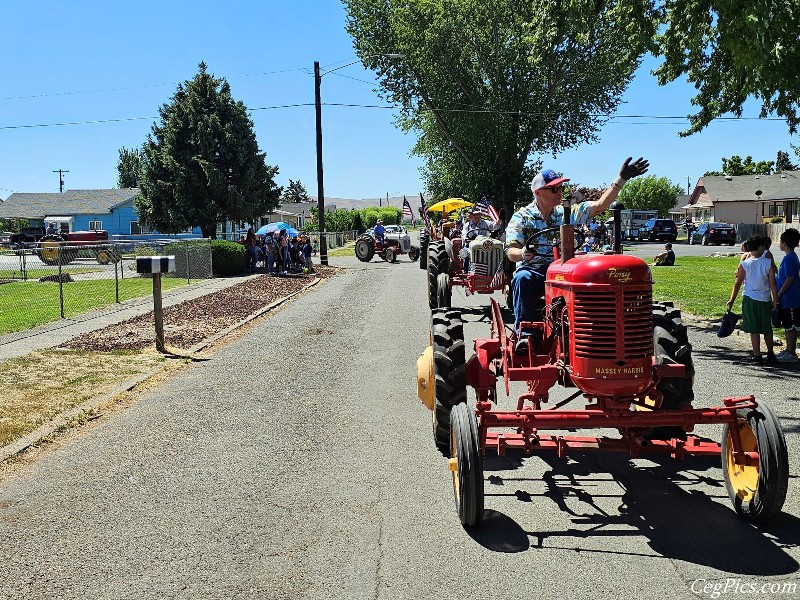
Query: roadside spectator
[(666, 258), (253, 250), (283, 242), (306, 249), (788, 284), (759, 297)]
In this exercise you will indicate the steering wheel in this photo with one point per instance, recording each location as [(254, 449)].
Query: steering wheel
[(472, 234), (531, 244)]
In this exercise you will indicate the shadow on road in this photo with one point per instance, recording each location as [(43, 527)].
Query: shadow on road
[(661, 501)]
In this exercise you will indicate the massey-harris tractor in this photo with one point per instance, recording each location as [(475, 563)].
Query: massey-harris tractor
[(630, 362)]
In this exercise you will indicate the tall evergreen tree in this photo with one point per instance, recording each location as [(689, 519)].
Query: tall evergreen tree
[(202, 165), (294, 192)]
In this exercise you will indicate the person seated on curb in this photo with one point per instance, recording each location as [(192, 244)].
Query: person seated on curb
[(666, 258), (544, 212), (475, 226)]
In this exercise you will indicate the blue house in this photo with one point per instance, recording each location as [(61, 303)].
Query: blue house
[(77, 210)]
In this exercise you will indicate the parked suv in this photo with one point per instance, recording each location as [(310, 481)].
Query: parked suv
[(714, 233), (658, 229), (27, 236)]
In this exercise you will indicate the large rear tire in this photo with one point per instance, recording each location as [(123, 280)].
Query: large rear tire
[(466, 465), (438, 262), (671, 346), (757, 492), (444, 291), (365, 249), (449, 370), (423, 250)]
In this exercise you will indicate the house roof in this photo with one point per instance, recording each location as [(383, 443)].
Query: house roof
[(743, 187), (22, 205)]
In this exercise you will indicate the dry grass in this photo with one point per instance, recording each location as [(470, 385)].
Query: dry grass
[(41, 385)]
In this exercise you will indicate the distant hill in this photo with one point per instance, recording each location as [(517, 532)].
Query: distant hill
[(352, 204)]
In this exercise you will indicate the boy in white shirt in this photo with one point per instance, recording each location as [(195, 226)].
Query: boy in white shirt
[(758, 298)]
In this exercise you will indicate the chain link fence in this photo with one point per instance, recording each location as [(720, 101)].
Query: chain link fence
[(57, 280)]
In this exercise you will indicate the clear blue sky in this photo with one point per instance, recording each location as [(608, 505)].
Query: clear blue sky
[(88, 60)]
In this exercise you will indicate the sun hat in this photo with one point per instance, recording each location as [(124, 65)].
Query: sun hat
[(728, 324), (547, 178)]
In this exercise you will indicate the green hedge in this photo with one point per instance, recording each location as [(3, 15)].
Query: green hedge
[(229, 258)]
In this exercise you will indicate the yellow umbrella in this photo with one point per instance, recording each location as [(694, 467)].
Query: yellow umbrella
[(449, 205)]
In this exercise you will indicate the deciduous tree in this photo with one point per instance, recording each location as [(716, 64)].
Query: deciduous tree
[(491, 85), (650, 193), (736, 166), (129, 167), (295, 192), (202, 164)]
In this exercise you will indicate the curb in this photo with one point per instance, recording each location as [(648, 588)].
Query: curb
[(35, 437)]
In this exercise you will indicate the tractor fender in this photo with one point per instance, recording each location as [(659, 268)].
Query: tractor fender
[(425, 378), (448, 246)]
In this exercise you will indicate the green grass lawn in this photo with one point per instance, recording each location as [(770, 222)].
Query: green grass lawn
[(27, 304), (697, 284)]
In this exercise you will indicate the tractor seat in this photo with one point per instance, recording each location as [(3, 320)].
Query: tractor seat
[(447, 228)]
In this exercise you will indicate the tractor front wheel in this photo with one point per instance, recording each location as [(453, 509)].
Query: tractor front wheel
[(365, 249), (466, 465), (390, 254), (438, 262), (413, 254), (444, 291), (757, 491), (671, 345), (449, 371)]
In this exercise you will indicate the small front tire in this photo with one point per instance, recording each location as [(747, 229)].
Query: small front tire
[(466, 465)]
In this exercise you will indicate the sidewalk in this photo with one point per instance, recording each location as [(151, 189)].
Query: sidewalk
[(56, 333)]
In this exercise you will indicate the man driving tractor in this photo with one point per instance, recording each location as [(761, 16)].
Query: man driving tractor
[(544, 212)]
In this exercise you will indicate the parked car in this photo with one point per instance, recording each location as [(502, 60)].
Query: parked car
[(658, 229), (5, 239), (714, 233), (27, 236)]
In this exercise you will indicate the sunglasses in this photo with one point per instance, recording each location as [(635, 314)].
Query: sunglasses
[(556, 190)]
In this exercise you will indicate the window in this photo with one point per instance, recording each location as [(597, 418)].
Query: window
[(136, 229), (94, 225)]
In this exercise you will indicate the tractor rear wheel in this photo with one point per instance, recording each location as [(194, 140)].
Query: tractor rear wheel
[(444, 292), (365, 249), (449, 370), (757, 491), (671, 346), (438, 262), (423, 250), (466, 465), (49, 249), (413, 254)]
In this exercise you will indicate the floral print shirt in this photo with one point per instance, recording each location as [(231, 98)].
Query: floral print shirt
[(528, 220)]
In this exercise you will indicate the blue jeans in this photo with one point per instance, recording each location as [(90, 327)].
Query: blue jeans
[(528, 286), (255, 252)]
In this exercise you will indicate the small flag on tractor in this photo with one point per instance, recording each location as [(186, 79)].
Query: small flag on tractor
[(478, 268), (498, 279), (423, 210), (487, 210), (407, 212)]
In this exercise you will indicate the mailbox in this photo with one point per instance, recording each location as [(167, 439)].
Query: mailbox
[(155, 264)]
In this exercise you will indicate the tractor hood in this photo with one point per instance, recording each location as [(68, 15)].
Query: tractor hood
[(615, 269)]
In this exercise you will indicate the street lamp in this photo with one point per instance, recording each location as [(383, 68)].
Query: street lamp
[(323, 240)]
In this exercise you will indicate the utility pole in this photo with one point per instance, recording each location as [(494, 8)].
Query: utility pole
[(60, 180), (323, 240)]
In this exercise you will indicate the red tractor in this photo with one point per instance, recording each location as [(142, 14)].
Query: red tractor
[(629, 360), (66, 247), (396, 242)]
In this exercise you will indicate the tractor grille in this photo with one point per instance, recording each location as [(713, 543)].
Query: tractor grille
[(493, 258), (600, 332)]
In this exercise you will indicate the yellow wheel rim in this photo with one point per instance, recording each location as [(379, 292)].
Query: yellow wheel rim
[(49, 250), (102, 257), (743, 478)]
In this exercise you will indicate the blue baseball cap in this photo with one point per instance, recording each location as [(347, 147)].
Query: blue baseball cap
[(547, 178)]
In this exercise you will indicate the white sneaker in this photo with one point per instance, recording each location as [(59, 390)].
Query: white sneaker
[(787, 357)]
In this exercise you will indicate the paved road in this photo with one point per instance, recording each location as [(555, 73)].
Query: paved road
[(298, 463)]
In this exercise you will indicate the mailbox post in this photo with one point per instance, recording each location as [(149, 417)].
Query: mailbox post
[(157, 265)]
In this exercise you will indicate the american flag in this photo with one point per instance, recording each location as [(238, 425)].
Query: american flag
[(478, 268), (487, 210), (499, 279), (423, 210), (407, 212)]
